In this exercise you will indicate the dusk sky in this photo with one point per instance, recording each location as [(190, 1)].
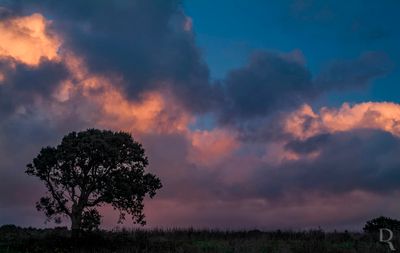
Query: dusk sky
[(254, 114)]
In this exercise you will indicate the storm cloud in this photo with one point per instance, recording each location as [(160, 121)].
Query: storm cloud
[(145, 42), (147, 45), (274, 82), (363, 160)]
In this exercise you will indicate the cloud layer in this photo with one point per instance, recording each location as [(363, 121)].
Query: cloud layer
[(266, 158)]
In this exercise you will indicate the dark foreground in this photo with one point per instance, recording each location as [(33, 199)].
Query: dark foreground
[(14, 239)]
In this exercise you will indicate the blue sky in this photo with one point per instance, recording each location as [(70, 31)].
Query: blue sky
[(228, 31)]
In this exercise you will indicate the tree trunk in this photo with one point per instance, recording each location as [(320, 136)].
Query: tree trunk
[(76, 222)]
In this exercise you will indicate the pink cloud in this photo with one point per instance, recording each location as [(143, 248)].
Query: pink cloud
[(304, 122)]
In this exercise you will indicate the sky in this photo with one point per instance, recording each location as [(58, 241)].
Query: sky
[(254, 114)]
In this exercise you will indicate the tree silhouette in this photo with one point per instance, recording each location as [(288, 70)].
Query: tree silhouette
[(373, 226), (89, 169)]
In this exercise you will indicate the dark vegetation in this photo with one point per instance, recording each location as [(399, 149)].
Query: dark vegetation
[(20, 240), (374, 225)]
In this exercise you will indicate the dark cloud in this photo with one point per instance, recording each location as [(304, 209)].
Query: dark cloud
[(312, 144), (42, 79), (268, 82), (364, 160), (5, 13), (23, 84), (256, 94), (355, 73)]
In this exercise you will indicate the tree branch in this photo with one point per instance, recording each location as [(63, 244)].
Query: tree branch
[(56, 197)]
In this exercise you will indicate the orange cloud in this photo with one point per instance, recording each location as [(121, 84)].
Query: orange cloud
[(26, 39), (149, 115), (211, 147), (304, 122), (154, 112)]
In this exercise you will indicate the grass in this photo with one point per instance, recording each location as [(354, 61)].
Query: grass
[(30, 240)]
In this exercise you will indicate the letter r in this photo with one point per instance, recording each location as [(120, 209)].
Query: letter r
[(388, 240)]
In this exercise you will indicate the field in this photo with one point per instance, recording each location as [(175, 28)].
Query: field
[(14, 239)]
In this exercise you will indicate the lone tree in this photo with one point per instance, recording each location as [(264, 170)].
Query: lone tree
[(89, 169)]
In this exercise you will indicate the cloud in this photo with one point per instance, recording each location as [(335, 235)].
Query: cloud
[(134, 66), (211, 147), (304, 122), (352, 74), (151, 50), (23, 86), (29, 63), (26, 39), (147, 42), (268, 82), (273, 82), (370, 156)]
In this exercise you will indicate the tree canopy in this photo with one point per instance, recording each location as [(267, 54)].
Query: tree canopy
[(374, 225), (92, 168)]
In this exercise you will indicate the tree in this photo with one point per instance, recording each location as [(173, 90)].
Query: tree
[(373, 226), (90, 169)]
